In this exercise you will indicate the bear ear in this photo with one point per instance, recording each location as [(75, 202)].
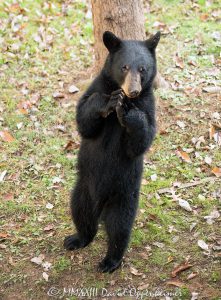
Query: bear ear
[(111, 41), (152, 42)]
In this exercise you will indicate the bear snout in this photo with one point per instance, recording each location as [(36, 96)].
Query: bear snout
[(134, 94), (132, 85)]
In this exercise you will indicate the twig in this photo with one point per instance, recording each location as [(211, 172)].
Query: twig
[(186, 185)]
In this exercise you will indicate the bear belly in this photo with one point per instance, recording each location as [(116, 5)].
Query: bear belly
[(106, 169)]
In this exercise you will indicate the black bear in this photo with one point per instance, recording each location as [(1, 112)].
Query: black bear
[(116, 120)]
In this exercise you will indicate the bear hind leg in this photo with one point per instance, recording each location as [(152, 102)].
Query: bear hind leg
[(118, 225), (85, 217)]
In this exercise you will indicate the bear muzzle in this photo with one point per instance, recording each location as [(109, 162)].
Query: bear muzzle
[(132, 85)]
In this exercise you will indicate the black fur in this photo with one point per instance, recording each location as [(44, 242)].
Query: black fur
[(116, 131)]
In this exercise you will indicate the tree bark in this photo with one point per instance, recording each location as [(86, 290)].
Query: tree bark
[(125, 18)]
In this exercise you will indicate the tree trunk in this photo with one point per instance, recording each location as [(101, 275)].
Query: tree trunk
[(123, 18)]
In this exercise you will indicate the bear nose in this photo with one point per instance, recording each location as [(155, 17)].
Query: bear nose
[(134, 94)]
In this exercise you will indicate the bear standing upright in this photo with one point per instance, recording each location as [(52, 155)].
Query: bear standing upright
[(116, 120)]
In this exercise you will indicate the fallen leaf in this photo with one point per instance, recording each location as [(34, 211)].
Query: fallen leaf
[(19, 125), (159, 245), (192, 275), (22, 111), (71, 145), (3, 235), (213, 72), (213, 215), (194, 296), (208, 160), (183, 155), (57, 179), (201, 197), (135, 272), (159, 25), (192, 63), (175, 239), (58, 95), (35, 98), (204, 17), (46, 265), (14, 8), (24, 105), (217, 194), (171, 229), (38, 259), (144, 181), (203, 245), (8, 196), (73, 89), (49, 227), (181, 124), (2, 175), (6, 136), (218, 241), (177, 283), (199, 141), (60, 128), (179, 62), (182, 267), (192, 226), (216, 248), (216, 35), (2, 246), (163, 131), (216, 171), (184, 204), (49, 205), (212, 89), (153, 177), (217, 138), (152, 217), (216, 116), (170, 259), (45, 276)]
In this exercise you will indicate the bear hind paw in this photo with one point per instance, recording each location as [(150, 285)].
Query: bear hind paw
[(108, 265), (72, 242)]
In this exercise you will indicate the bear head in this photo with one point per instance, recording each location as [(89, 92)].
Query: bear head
[(131, 64)]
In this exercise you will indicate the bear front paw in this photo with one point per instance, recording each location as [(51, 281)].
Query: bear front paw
[(114, 98), (117, 96), (108, 265), (72, 242), (121, 110)]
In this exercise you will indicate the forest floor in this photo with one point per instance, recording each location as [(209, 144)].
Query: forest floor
[(47, 47)]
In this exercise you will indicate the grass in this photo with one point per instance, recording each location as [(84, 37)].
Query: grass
[(41, 171)]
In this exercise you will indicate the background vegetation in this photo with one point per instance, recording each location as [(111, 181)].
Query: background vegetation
[(47, 51)]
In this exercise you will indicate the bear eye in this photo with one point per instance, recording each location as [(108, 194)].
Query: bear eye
[(141, 69), (125, 68)]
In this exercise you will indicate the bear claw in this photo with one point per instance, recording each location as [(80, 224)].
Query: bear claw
[(72, 242), (108, 265)]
